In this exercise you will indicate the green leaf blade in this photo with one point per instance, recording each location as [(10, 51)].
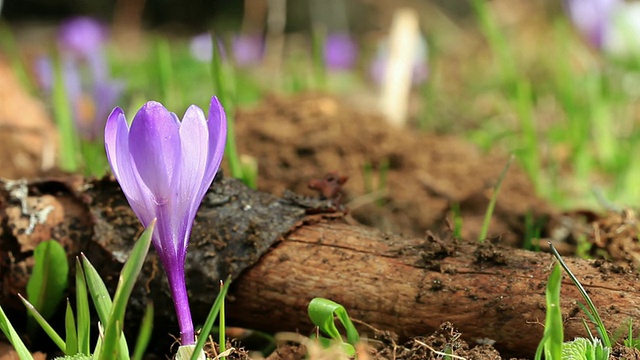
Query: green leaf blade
[(82, 310), (144, 335), (71, 334), (101, 301), (12, 336), (553, 329), (48, 281), (211, 318), (126, 282), (53, 335)]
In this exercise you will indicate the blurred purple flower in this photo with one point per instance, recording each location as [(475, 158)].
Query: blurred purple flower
[(82, 35), (84, 38), (91, 103), (104, 97), (90, 100), (612, 26), (91, 92), (593, 18), (248, 50), (43, 70), (340, 52), (164, 167), (201, 47), (420, 72)]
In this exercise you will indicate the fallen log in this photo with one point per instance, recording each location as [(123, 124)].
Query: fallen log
[(411, 286), (281, 256)]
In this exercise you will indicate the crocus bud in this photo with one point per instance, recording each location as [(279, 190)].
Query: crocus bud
[(164, 167)]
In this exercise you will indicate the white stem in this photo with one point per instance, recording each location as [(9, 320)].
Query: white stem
[(185, 351), (403, 43)]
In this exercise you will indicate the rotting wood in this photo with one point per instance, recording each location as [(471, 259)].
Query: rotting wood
[(281, 258)]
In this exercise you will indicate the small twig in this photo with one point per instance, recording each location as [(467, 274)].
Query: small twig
[(439, 352)]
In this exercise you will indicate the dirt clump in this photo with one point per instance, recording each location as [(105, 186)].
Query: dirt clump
[(400, 180), (27, 135)]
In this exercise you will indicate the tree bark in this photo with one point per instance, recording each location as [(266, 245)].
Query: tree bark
[(282, 252)]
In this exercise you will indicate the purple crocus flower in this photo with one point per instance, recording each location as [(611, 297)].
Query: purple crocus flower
[(82, 35), (248, 50), (91, 103), (612, 26), (340, 52), (91, 92), (201, 47), (164, 167), (84, 38), (593, 18)]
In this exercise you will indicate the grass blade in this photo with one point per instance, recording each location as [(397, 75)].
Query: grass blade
[(101, 300), (71, 334), (602, 331), (223, 80), (53, 335), (12, 336), (554, 333), (82, 310), (222, 331), (211, 318), (69, 143), (144, 335), (9, 45), (126, 282), (492, 203)]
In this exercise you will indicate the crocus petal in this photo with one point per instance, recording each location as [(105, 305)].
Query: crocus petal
[(116, 142), (217, 125), (116, 139), (194, 139), (156, 148)]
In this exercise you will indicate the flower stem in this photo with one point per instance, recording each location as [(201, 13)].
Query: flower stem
[(181, 303)]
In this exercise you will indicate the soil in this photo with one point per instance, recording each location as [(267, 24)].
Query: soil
[(298, 140)]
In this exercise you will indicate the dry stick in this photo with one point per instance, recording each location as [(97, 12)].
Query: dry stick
[(403, 42), (254, 18), (276, 21), (128, 20)]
